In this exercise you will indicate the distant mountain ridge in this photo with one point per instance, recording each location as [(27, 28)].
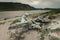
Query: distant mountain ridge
[(10, 6)]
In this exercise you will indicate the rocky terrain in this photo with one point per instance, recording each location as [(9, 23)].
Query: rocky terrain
[(38, 26)]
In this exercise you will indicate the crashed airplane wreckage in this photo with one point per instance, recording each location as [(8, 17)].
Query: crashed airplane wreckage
[(29, 24)]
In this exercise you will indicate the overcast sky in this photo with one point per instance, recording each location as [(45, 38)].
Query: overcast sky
[(38, 3)]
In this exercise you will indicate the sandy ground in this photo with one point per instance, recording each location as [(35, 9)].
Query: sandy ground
[(3, 31), (33, 35)]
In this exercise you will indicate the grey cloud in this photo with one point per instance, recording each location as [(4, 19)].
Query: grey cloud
[(41, 4)]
